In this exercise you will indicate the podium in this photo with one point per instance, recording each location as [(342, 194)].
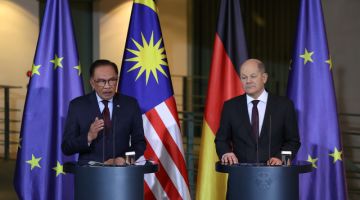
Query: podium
[(109, 182), (257, 182)]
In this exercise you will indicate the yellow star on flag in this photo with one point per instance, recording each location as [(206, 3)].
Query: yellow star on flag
[(307, 56), (149, 58), (330, 63), (59, 169), (312, 161), (78, 67), (57, 61), (35, 70), (336, 155), (34, 162)]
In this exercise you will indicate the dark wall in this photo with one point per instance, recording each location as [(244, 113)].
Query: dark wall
[(269, 29)]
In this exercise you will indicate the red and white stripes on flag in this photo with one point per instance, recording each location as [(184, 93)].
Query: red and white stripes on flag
[(162, 132)]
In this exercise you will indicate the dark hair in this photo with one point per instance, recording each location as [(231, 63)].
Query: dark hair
[(102, 62), (262, 67)]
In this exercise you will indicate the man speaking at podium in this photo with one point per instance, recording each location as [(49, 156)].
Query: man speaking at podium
[(257, 126), (103, 125)]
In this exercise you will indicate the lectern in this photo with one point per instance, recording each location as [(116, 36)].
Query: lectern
[(98, 182), (258, 182)]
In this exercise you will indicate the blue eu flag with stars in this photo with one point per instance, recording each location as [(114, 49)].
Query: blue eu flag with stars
[(311, 88), (55, 80)]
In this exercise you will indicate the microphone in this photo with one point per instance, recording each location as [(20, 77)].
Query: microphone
[(269, 148), (257, 149), (113, 120), (103, 140)]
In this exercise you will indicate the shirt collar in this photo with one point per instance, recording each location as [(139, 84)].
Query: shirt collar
[(263, 97), (99, 99)]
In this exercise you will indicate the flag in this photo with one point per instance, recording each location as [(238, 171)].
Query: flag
[(311, 88), (55, 80), (145, 76), (224, 84)]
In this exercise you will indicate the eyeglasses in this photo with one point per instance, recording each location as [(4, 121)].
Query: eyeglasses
[(102, 82)]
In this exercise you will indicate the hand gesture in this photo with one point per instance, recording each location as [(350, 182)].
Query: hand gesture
[(95, 128)]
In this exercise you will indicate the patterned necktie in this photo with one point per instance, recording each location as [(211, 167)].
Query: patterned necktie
[(255, 120), (106, 116)]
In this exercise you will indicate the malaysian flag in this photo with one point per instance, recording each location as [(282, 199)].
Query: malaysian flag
[(145, 76)]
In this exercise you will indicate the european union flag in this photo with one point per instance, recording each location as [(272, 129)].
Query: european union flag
[(145, 76), (55, 80), (311, 88)]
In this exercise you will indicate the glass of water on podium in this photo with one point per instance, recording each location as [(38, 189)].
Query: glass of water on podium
[(130, 157), (286, 158)]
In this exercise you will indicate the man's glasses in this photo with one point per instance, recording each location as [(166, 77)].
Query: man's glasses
[(102, 82)]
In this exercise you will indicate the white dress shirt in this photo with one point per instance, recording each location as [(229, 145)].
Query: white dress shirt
[(261, 107)]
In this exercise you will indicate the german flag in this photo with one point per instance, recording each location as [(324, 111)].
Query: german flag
[(224, 84)]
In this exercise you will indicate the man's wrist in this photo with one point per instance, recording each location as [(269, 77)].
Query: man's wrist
[(89, 139)]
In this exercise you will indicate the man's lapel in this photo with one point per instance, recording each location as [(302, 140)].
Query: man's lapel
[(115, 111), (94, 106), (244, 117), (94, 110), (266, 122)]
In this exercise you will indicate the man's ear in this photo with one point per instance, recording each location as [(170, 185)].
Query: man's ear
[(265, 77), (92, 83)]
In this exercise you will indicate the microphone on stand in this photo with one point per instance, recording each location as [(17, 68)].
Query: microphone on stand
[(113, 120), (269, 148), (257, 149), (103, 141)]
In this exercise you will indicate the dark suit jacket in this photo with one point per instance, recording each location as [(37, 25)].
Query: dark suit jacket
[(126, 122), (234, 134)]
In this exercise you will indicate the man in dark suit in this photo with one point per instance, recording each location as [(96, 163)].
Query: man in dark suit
[(103, 125), (244, 134)]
